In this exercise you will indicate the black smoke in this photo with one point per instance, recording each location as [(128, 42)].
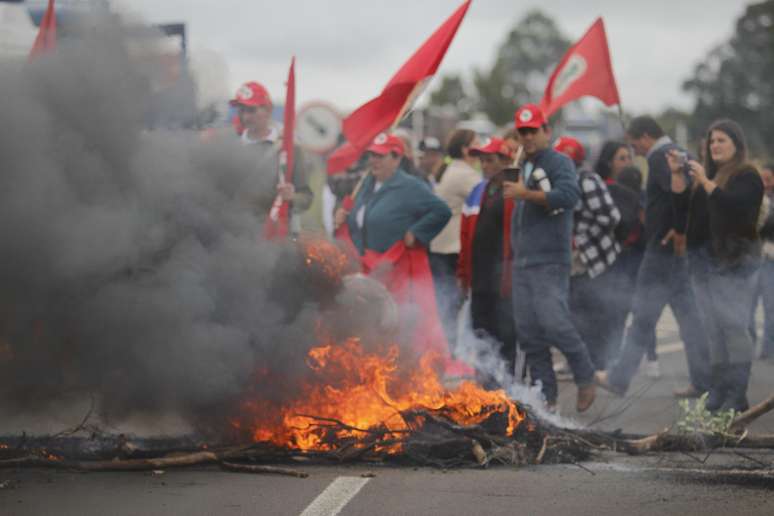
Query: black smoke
[(131, 263)]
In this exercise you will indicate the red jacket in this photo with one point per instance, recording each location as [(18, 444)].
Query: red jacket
[(470, 212)]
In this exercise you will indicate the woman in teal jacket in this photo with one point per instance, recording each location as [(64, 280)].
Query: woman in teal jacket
[(391, 205)]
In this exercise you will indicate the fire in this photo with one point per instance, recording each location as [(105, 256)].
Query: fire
[(326, 256), (355, 391), (3, 446)]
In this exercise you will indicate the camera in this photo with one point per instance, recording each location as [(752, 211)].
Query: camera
[(682, 160)]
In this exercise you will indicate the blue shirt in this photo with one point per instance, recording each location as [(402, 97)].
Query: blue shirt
[(403, 203)]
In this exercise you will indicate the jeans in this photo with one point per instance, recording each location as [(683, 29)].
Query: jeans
[(663, 279), (766, 292), (447, 295), (595, 308), (724, 296), (542, 315)]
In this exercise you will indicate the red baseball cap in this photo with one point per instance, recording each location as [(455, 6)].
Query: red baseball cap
[(529, 115), (492, 146), (385, 143), (251, 94), (570, 147)]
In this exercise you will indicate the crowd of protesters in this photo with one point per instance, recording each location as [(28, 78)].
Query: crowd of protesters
[(555, 255)]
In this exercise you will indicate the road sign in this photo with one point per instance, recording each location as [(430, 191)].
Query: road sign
[(318, 126)]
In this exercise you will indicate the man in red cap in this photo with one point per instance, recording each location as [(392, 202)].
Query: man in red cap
[(594, 251), (483, 268), (254, 109), (547, 191)]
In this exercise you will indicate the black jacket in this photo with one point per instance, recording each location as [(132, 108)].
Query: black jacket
[(725, 223)]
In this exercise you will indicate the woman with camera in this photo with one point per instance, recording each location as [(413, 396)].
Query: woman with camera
[(718, 204)]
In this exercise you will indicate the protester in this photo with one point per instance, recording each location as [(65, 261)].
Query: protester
[(541, 235), (392, 206), (394, 218), (254, 109), (457, 182), (663, 275), (766, 285), (719, 204), (431, 159), (614, 158), (594, 251), (485, 256), (628, 197)]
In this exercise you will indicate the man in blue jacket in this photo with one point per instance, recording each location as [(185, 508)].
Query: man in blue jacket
[(547, 192)]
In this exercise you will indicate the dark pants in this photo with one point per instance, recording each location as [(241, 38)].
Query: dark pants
[(724, 295), (621, 298), (594, 304), (447, 295), (766, 292), (493, 315), (542, 316), (663, 279)]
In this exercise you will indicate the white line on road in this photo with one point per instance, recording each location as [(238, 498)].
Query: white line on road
[(338, 494)]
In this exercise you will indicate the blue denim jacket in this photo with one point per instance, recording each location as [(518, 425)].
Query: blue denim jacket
[(542, 235)]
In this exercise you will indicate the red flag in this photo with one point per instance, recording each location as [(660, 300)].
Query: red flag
[(384, 111), (46, 38), (585, 70), (277, 225), (406, 274)]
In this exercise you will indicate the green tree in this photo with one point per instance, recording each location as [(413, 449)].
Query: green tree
[(519, 74), (451, 92), (736, 80), (523, 64)]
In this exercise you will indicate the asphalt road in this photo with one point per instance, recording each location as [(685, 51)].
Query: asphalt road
[(719, 483)]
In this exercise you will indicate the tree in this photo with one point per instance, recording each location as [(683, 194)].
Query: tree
[(736, 80), (524, 62), (452, 92), (519, 74)]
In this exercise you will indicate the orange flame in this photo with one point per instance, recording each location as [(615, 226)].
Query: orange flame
[(366, 391)]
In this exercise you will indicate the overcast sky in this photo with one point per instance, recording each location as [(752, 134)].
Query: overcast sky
[(348, 49)]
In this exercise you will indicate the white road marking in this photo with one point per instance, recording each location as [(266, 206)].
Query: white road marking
[(335, 497)]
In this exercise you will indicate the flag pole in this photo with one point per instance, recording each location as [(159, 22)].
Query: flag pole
[(621, 119)]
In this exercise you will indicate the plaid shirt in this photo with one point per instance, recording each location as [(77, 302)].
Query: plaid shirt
[(596, 217)]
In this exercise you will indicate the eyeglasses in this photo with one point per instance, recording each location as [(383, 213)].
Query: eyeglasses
[(526, 131)]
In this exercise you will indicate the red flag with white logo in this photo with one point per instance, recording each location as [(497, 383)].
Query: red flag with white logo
[(278, 223), (386, 110), (46, 38), (585, 70)]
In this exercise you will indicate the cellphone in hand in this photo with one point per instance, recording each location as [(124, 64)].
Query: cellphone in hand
[(511, 174)]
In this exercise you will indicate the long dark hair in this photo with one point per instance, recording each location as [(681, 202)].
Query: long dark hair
[(459, 139), (734, 131), (606, 156)]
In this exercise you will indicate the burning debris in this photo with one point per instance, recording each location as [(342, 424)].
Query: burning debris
[(133, 271)]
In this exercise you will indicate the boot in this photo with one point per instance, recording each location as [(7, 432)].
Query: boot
[(718, 388), (737, 378)]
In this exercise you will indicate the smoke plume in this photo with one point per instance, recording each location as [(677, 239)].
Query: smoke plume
[(132, 266)]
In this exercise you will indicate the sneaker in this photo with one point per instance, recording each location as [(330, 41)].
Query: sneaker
[(652, 369), (601, 379), (586, 396)]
